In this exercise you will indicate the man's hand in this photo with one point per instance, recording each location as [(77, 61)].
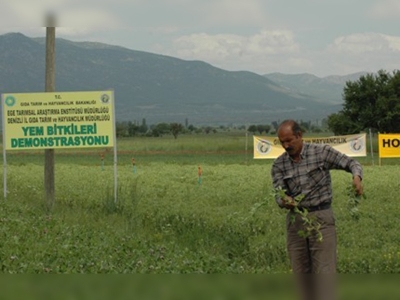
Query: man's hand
[(288, 202), (357, 185)]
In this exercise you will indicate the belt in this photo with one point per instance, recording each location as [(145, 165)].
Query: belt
[(322, 206)]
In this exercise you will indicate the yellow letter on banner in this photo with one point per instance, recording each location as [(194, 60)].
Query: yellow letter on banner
[(389, 145)]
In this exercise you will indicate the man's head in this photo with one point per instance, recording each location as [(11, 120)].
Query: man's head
[(291, 137)]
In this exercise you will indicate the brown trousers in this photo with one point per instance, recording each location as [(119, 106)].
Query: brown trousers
[(313, 262)]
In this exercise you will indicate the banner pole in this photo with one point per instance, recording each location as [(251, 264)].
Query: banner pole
[(246, 158), (372, 150), (115, 151), (379, 151), (4, 152)]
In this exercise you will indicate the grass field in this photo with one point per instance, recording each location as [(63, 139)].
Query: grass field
[(165, 221)]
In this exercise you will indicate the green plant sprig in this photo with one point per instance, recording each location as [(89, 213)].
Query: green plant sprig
[(311, 225), (353, 201)]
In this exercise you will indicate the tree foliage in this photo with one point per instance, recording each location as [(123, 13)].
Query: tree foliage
[(252, 129), (160, 129), (373, 101), (260, 128), (176, 128)]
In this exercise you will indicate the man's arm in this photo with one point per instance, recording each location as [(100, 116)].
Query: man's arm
[(338, 160), (278, 182)]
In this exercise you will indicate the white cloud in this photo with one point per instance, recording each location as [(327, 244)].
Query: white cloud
[(199, 46), (277, 51), (364, 52), (384, 9), (273, 42), (393, 42), (365, 43), (258, 52), (73, 32)]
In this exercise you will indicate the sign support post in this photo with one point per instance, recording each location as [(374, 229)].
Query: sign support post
[(4, 153), (50, 87)]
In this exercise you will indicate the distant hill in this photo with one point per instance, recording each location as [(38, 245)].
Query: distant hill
[(155, 87), (326, 90)]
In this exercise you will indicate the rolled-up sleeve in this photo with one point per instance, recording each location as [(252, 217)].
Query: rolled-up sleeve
[(339, 160), (277, 182)]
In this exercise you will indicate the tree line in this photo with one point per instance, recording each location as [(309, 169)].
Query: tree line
[(371, 102), (131, 129)]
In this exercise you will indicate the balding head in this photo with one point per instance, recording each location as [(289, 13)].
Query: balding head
[(290, 125)]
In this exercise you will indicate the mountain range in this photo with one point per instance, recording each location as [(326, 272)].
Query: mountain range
[(161, 88), (328, 89)]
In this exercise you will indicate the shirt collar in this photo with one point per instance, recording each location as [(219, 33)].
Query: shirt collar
[(303, 151)]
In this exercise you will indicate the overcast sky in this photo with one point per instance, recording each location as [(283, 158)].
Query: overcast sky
[(321, 37)]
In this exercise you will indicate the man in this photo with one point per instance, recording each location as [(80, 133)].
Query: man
[(303, 170)]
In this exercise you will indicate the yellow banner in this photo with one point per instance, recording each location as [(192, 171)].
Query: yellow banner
[(389, 145), (351, 145), (58, 120)]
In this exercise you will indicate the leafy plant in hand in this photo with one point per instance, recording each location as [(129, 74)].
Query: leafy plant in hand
[(311, 225), (353, 201)]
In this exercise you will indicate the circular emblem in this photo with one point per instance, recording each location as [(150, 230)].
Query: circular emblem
[(264, 147), (105, 99), (357, 145), (10, 101)]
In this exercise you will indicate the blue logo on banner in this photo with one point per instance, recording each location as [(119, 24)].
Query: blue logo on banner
[(10, 101)]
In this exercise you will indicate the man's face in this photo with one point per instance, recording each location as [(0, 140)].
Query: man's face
[(291, 142)]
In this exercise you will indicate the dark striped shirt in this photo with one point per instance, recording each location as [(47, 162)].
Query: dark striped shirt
[(310, 176)]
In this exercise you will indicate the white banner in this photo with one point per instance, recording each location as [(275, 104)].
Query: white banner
[(351, 145)]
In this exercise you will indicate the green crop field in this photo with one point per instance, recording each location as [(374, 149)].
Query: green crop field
[(164, 220)]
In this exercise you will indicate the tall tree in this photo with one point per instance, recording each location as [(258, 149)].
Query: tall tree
[(252, 129), (340, 124), (373, 101), (176, 128), (132, 128), (261, 128)]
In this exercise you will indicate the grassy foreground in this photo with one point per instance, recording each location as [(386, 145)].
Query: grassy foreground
[(165, 221)]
